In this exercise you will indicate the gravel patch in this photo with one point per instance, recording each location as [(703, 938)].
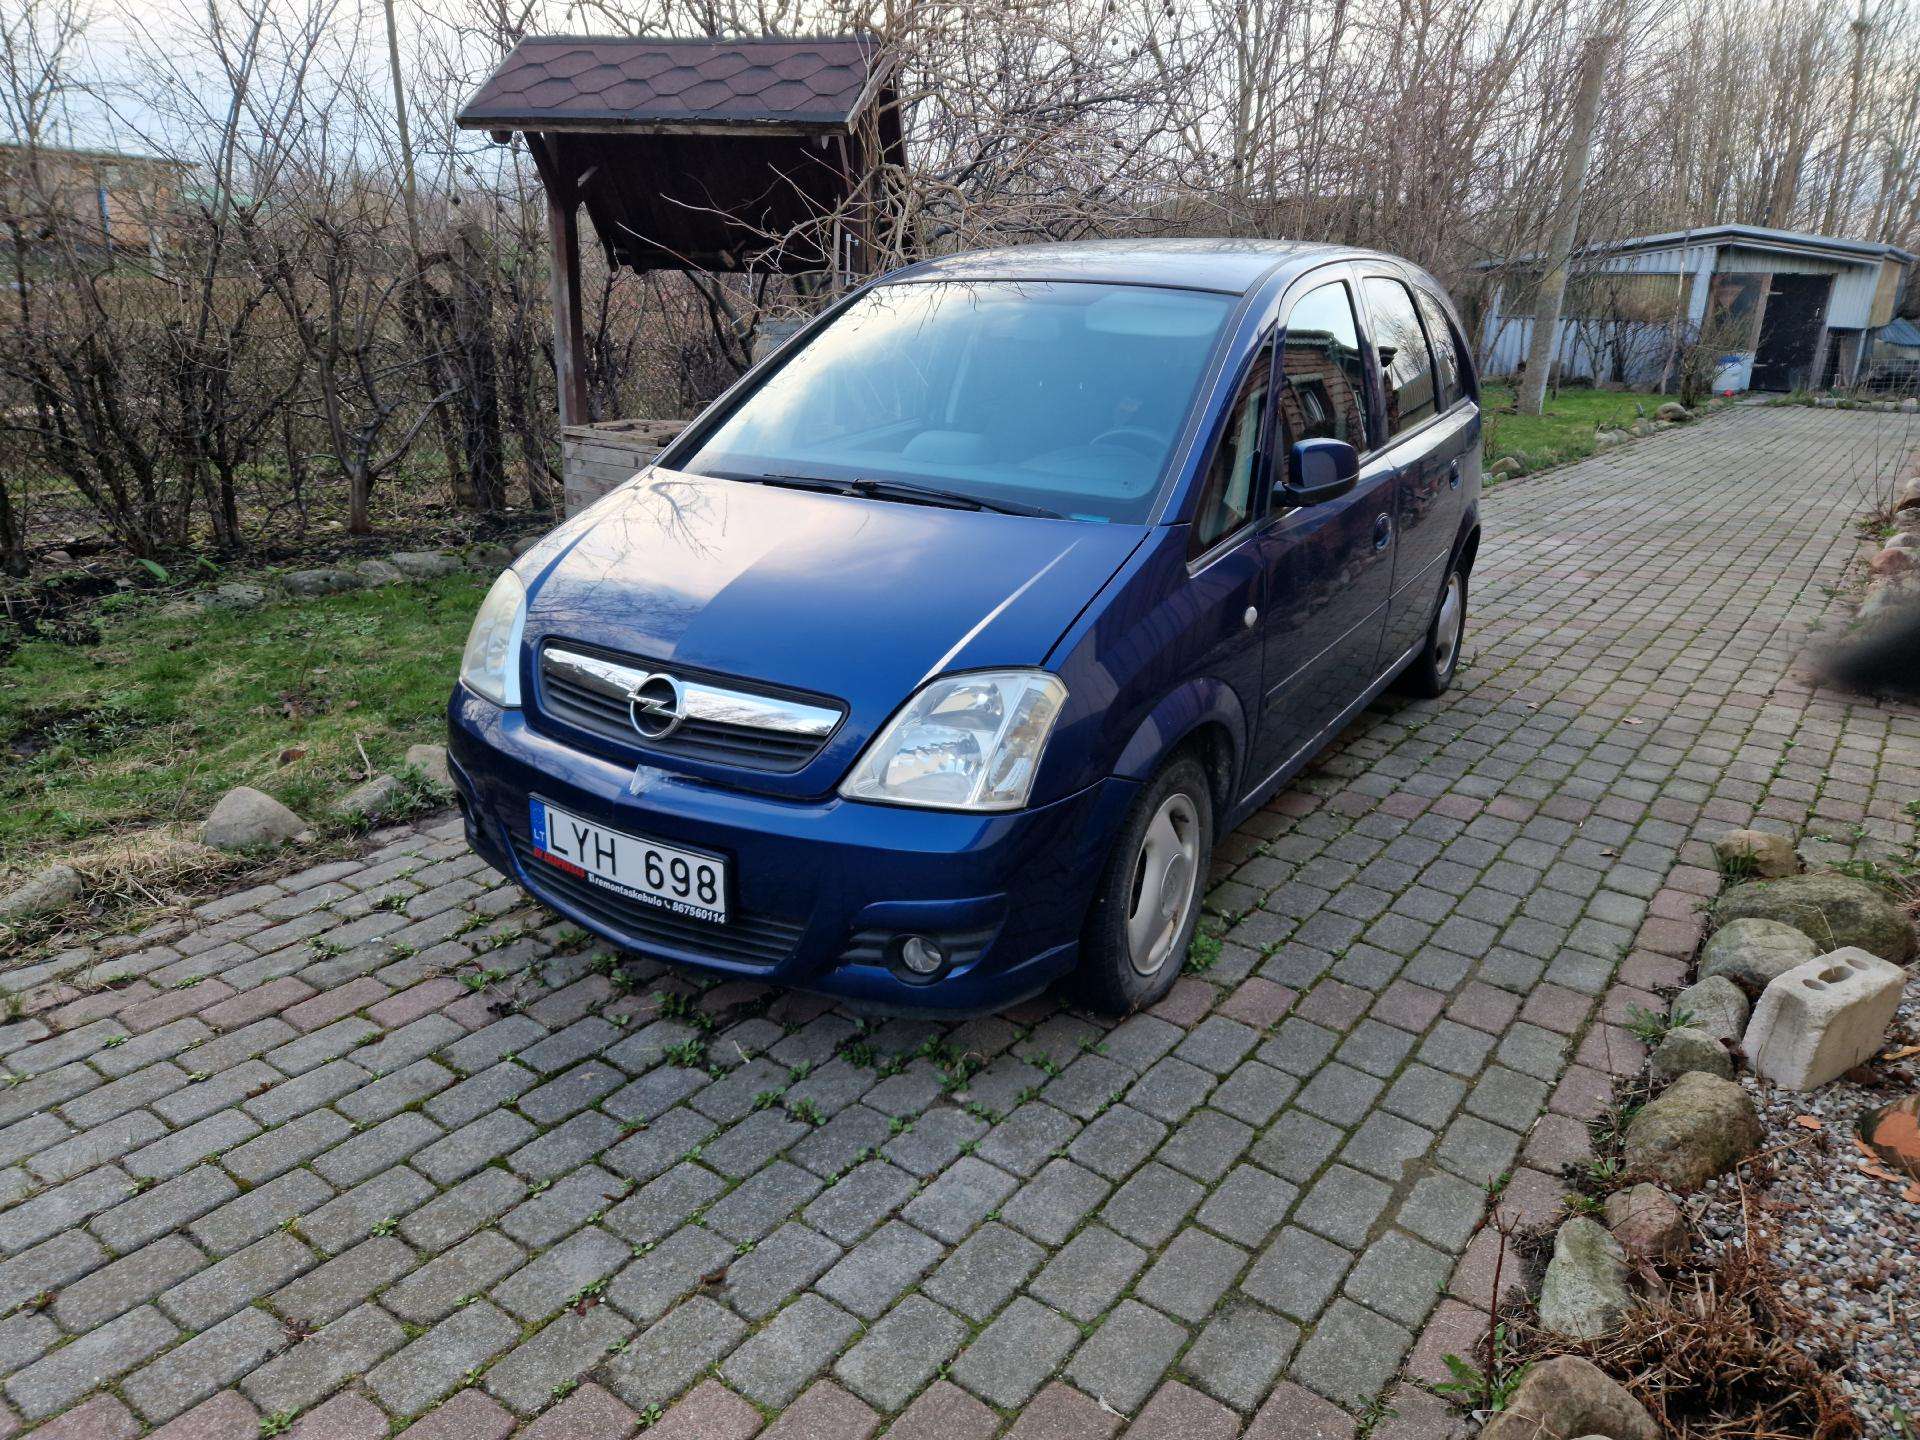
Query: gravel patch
[(1845, 1240)]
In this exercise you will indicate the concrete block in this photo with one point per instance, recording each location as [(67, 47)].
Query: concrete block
[(1822, 1018)]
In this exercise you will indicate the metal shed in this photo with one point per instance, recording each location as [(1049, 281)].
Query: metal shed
[(724, 155), (1793, 310)]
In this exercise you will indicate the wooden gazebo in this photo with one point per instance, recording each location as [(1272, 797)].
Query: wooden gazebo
[(716, 155)]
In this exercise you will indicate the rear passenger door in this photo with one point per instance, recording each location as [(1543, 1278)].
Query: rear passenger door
[(1425, 429), (1456, 435)]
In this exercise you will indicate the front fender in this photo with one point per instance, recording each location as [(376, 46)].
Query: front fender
[(1196, 702)]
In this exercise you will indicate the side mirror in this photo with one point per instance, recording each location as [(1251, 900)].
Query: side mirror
[(1319, 471)]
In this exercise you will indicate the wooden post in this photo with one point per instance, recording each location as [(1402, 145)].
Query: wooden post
[(1542, 346), (569, 338)]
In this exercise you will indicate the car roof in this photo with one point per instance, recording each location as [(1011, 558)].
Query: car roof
[(1231, 265)]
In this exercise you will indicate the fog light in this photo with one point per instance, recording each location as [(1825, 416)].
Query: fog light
[(921, 955)]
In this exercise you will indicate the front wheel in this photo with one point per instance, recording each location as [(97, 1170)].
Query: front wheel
[(1148, 904), (1432, 670)]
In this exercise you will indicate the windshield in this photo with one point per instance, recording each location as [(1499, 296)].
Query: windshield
[(1062, 396)]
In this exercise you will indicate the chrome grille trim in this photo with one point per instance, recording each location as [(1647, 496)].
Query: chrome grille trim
[(704, 701)]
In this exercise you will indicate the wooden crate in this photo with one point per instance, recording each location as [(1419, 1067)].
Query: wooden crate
[(597, 457)]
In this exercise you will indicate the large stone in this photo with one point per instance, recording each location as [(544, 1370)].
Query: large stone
[(1894, 560), (1566, 1398), (372, 799), (1894, 1133), (53, 887), (425, 564), (1699, 1127), (1714, 1005), (1835, 910), (1820, 1020), (1909, 496), (235, 595), (1584, 1294), (1889, 596), (1646, 1223), (1504, 467), (429, 762), (320, 582), (1756, 852), (247, 819), (379, 572), (1684, 1049), (489, 558), (1753, 953), (1673, 410)]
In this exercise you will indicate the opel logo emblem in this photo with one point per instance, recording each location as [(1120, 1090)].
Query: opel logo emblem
[(656, 706)]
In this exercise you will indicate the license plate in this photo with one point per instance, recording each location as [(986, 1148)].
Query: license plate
[(630, 865)]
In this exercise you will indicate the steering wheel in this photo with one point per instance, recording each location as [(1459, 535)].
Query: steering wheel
[(1132, 437)]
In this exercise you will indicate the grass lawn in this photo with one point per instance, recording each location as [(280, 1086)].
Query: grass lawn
[(166, 713), (1565, 432)]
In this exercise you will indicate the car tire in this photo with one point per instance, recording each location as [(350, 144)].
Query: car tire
[(1137, 932), (1432, 670)]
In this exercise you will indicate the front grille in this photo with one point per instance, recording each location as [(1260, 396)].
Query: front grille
[(745, 939), (598, 713)]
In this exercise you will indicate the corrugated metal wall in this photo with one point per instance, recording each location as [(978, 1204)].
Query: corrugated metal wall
[(1505, 342)]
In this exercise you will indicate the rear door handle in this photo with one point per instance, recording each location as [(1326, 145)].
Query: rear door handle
[(1453, 476), (1382, 532)]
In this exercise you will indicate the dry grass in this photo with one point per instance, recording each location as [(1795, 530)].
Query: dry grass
[(147, 873), (1715, 1352)]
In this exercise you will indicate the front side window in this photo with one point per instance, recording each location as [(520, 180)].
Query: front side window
[(1065, 396), (1404, 360), (1446, 348), (1233, 478), (1323, 394)]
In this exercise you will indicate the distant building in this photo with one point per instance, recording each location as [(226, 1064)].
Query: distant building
[(102, 199), (1787, 310)]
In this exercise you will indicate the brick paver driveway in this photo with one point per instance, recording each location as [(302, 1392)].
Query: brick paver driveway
[(379, 1138)]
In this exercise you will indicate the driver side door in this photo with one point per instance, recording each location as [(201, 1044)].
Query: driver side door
[(1331, 572)]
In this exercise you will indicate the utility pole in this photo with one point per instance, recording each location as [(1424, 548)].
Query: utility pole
[(1831, 216), (1573, 178), (411, 195)]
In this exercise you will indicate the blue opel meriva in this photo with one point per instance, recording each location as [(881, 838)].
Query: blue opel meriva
[(926, 666)]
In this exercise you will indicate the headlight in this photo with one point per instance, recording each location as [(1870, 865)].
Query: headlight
[(970, 742), (491, 664)]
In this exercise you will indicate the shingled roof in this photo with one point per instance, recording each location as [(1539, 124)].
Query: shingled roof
[(604, 83)]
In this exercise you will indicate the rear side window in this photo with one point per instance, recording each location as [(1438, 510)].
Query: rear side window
[(1232, 489), (1446, 348), (1407, 366), (1323, 394)]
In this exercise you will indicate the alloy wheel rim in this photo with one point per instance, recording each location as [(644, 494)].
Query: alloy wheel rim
[(1446, 630), (1166, 876)]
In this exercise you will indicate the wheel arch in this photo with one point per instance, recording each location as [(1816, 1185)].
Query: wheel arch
[(1203, 717), (1467, 548)]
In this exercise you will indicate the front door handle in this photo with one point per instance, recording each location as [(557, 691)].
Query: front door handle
[(1453, 476), (1382, 532)]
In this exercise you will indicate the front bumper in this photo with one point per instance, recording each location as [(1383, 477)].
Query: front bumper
[(820, 887)]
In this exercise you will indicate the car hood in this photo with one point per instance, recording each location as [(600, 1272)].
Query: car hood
[(852, 598)]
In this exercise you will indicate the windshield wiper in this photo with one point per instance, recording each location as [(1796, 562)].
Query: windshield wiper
[(902, 490), (934, 495), (799, 482)]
